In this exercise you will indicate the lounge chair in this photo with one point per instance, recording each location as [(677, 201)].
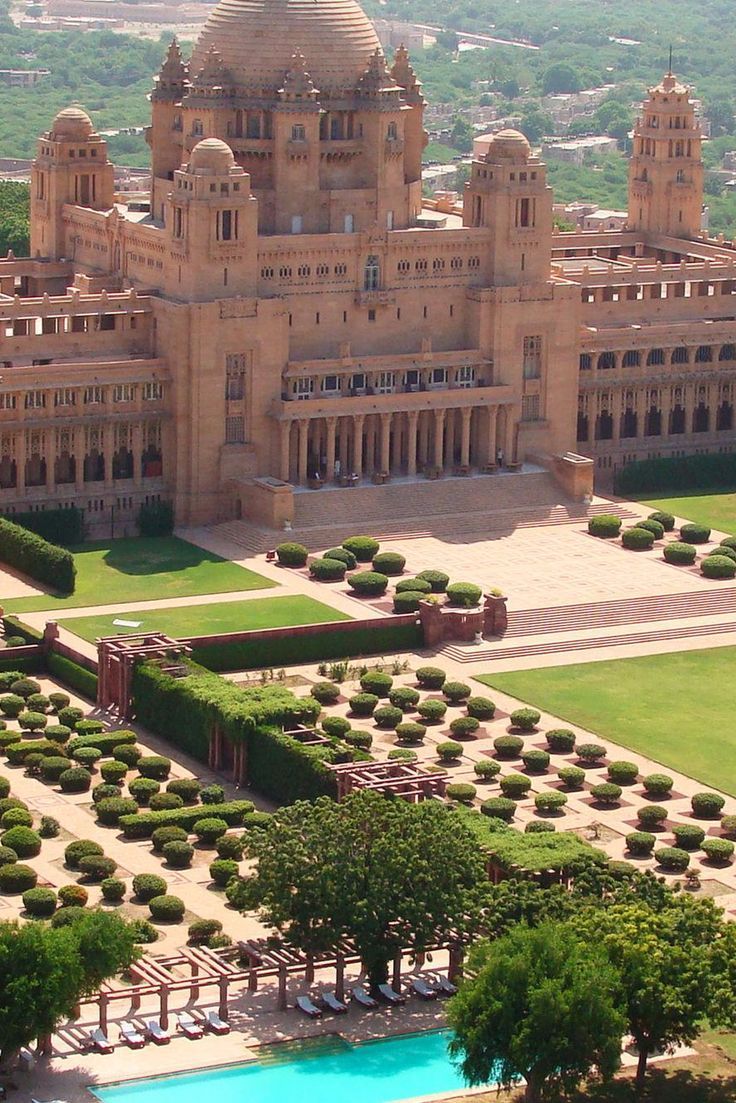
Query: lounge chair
[(157, 1033), (305, 1004), (364, 998), (213, 1022), (189, 1026), (100, 1041), (389, 995), (422, 989), (444, 986), (331, 1003), (130, 1034)]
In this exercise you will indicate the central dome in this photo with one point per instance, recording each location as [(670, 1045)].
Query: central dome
[(257, 39)]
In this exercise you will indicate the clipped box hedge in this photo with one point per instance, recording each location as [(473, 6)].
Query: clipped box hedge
[(102, 741), (33, 556), (141, 825), (73, 675)]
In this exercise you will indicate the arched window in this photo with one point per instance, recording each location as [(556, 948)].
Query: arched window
[(585, 361), (680, 177), (392, 133), (704, 355), (197, 128), (680, 355), (728, 352), (631, 359), (656, 356), (372, 274), (606, 360)]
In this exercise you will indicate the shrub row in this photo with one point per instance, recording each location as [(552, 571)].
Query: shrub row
[(36, 557), (141, 825)]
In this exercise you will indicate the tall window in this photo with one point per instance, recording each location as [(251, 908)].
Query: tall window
[(298, 133), (178, 222), (532, 357), (372, 274), (235, 377), (227, 225), (234, 430), (296, 223)]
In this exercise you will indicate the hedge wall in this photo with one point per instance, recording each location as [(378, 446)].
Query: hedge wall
[(14, 627), (678, 473), (187, 710), (36, 557), (27, 664), (73, 675), (58, 526), (141, 825), (332, 644)]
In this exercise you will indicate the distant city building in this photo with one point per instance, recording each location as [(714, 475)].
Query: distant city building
[(575, 150), (22, 78)]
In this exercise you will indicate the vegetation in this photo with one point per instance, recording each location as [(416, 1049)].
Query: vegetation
[(35, 557)]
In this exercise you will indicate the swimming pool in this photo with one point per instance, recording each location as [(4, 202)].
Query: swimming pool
[(328, 1070)]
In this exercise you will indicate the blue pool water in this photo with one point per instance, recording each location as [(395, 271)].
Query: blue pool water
[(374, 1072)]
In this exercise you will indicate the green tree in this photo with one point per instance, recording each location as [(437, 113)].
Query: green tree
[(14, 219), (720, 114), (560, 78), (614, 119), (535, 124), (384, 873), (45, 972), (539, 1004), (461, 136)]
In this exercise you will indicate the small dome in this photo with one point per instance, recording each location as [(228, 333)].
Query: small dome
[(509, 145), (211, 155), (72, 124)]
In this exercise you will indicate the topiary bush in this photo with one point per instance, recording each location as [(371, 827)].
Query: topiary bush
[(165, 802), (480, 708), (5, 785), (129, 754), (222, 870), (202, 930), (188, 788), (652, 525), (508, 746), (607, 793), (486, 769), (464, 594), (362, 740), (637, 539), (111, 809), (388, 717), (89, 728), (376, 681), (167, 909), (59, 733), (11, 802), (538, 827), (343, 556), (16, 817), (230, 846), (337, 726), (112, 772), (525, 719), (560, 740), (407, 601), (688, 836), (456, 692), (291, 554), (718, 850), (500, 808), (413, 586), (464, 727), (327, 570), (666, 520), (69, 715), (148, 885), (571, 776), (86, 756), (461, 791), (326, 693), (449, 751), (75, 780), (95, 868), (657, 786), (515, 786), (363, 704), (113, 890), (212, 794), (622, 772), (368, 583), (73, 896), (410, 732), (32, 721), (717, 566), (163, 835), (142, 789), (590, 753), (693, 533), (535, 761), (640, 843), (25, 687), (39, 902), (23, 840), (178, 855), (59, 700), (730, 553), (388, 562), (12, 705), (433, 711), (156, 766), (707, 806), (431, 677), (79, 849), (50, 828), (728, 826), (363, 547), (401, 754), (652, 815), (606, 526), (17, 878), (209, 829), (550, 801), (404, 698), (673, 859)]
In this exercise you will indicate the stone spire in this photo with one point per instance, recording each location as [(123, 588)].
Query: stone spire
[(173, 74), (298, 85), (403, 73), (212, 73), (377, 78)]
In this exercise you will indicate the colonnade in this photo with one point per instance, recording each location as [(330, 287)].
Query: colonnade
[(655, 411)]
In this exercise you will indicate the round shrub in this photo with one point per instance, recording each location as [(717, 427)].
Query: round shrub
[(7, 677), (480, 708), (550, 801), (607, 793), (16, 817), (413, 586), (449, 751), (560, 740), (178, 854), (17, 878), (188, 788), (86, 756), (407, 601), (223, 870), (79, 849), (148, 885), (212, 794), (202, 930), (7, 856), (368, 583), (291, 555), (66, 917), (142, 789), (432, 711), (60, 733), (127, 753), (11, 802), (113, 890), (637, 539), (70, 715), (327, 570), (363, 704), (538, 827), (590, 753), (39, 902), (96, 868), (25, 842), (39, 702), (257, 821), (326, 693), (431, 677), (535, 761), (143, 931), (7, 738), (388, 562), (707, 806), (25, 687), (464, 594), (456, 692), (59, 700), (167, 909), (75, 780), (229, 846), (640, 843), (336, 726), (363, 547), (718, 850), (666, 520), (5, 786), (508, 746), (410, 732), (111, 809), (342, 555), (15, 641), (693, 533), (12, 705), (688, 836), (657, 786), (572, 777), (652, 525), (464, 727), (461, 791), (501, 808), (438, 580), (387, 716), (376, 681), (155, 766), (525, 719), (89, 727), (32, 721), (606, 525), (486, 769), (728, 828), (673, 859), (404, 698), (717, 566), (728, 542), (165, 802), (361, 740), (73, 896), (401, 754), (209, 829), (32, 764), (622, 772), (651, 815), (515, 786)]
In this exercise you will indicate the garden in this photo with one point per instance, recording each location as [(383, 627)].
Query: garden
[(718, 561)]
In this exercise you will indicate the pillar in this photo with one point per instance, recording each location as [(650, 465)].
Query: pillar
[(108, 447), (222, 1010), (163, 1017), (665, 406), (301, 474), (79, 459), (510, 441), (49, 448), (449, 444), (137, 448), (616, 415), (358, 420), (330, 449), (492, 412), (340, 976), (412, 420), (465, 414), (103, 1012), (284, 450), (385, 449), (344, 434), (439, 434), (19, 451)]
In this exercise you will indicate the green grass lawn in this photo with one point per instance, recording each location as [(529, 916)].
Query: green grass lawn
[(716, 509), (143, 569), (208, 619), (676, 709)]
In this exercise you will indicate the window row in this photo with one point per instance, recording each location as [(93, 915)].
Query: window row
[(91, 396), (656, 357), (385, 382)]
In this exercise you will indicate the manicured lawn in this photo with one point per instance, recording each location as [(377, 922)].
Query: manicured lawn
[(143, 569), (716, 509), (208, 619), (676, 709)]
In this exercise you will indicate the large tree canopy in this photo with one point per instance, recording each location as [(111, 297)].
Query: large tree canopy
[(382, 872)]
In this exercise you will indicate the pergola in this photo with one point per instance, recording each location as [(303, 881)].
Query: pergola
[(399, 779), (118, 655)]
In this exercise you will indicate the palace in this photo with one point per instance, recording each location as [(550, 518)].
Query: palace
[(287, 310)]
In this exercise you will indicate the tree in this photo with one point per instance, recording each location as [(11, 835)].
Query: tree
[(560, 78), (535, 124), (540, 1003), (44, 972), (461, 135), (614, 119), (720, 114), (385, 873)]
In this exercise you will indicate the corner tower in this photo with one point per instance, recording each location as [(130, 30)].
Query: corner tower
[(666, 168)]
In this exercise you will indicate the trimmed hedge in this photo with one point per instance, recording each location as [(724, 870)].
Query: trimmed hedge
[(23, 840), (376, 681), (718, 566), (75, 780), (680, 554), (163, 835), (143, 824), (652, 815), (508, 746), (343, 555), (58, 526), (456, 692), (71, 674), (407, 601), (666, 520), (17, 878), (462, 791), (622, 772), (590, 753), (363, 547), (480, 708), (33, 556), (464, 727), (73, 896), (404, 698), (640, 843), (672, 858), (386, 717), (606, 526), (693, 533), (154, 766), (96, 868), (113, 890), (688, 836), (326, 693), (464, 594), (438, 580), (291, 554), (368, 583), (409, 732), (637, 539), (550, 801), (110, 810), (560, 740), (167, 909), (413, 585), (536, 761), (657, 786), (651, 524), (148, 885), (515, 786), (433, 711), (178, 855), (607, 793), (142, 789), (327, 570), (40, 902), (707, 806), (718, 850), (486, 769), (388, 562), (449, 750), (572, 777), (679, 473), (525, 719), (222, 870), (363, 704), (103, 741), (160, 802), (431, 677), (501, 808), (79, 849)]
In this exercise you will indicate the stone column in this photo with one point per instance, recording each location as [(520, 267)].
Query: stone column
[(412, 419), (449, 446), (137, 448), (49, 448), (79, 459), (384, 463), (665, 407), (465, 414), (108, 449), (439, 435), (284, 450), (513, 415), (358, 420), (344, 430), (492, 414), (330, 449), (303, 451), (616, 415), (19, 451)]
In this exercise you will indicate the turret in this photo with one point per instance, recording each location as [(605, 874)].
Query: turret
[(296, 167), (167, 123)]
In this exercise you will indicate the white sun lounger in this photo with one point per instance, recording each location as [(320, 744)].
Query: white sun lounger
[(213, 1022), (130, 1034), (100, 1041), (422, 989), (189, 1026), (444, 986), (305, 1004), (331, 1002), (157, 1033), (389, 995), (364, 998)]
